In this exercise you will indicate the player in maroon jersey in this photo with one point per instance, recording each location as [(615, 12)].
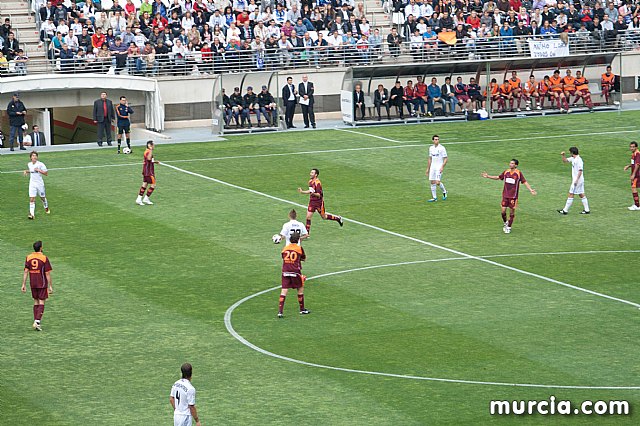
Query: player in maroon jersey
[(292, 257), (635, 174), (148, 176), (512, 178), (316, 200), (38, 268)]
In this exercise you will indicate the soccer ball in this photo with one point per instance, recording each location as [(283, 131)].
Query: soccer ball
[(276, 239), (126, 150)]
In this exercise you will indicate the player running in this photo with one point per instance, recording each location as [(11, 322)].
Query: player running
[(38, 268), (512, 178), (635, 174), (316, 200), (124, 111), (148, 176), (292, 257), (435, 166), (577, 181), (35, 170), (293, 227), (183, 399)]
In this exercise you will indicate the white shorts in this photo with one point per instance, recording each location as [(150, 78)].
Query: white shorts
[(181, 420), (36, 191), (577, 189), (435, 174)]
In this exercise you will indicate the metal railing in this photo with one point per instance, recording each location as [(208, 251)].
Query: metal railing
[(229, 61)]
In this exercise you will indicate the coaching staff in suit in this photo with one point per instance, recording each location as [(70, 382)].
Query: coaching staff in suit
[(305, 90), (37, 137), (103, 116), (289, 98)]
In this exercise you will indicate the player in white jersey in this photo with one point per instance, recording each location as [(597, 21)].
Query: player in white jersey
[(294, 227), (183, 399), (435, 167), (577, 181), (35, 171)]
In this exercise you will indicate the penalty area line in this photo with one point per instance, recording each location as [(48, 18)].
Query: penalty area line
[(417, 240)]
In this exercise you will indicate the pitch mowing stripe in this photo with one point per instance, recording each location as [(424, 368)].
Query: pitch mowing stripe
[(417, 240), (228, 324), (409, 144)]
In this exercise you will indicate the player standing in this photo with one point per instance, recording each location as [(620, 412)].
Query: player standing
[(635, 174), (577, 181), (316, 200), (148, 176), (35, 170), (183, 399), (292, 257), (512, 178), (293, 227), (124, 111), (435, 166), (38, 268)]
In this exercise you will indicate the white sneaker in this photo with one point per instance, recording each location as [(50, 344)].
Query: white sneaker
[(538, 107), (616, 103), (568, 110), (528, 108), (139, 201), (147, 201), (519, 110), (507, 230), (634, 208)]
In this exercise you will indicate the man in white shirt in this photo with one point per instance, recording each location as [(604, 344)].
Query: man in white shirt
[(294, 227), (35, 170), (577, 181), (412, 9), (183, 399), (435, 166)]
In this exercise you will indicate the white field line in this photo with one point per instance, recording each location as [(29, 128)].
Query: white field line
[(417, 240), (328, 151), (237, 336)]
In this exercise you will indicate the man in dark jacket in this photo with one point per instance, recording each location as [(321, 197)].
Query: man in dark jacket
[(103, 116), (17, 113), (267, 107)]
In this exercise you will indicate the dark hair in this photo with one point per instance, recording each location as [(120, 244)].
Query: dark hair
[(435, 136), (37, 246), (186, 370), (293, 214), (294, 238), (515, 161), (573, 150), (634, 143), (33, 152), (124, 97), (149, 143), (317, 171)]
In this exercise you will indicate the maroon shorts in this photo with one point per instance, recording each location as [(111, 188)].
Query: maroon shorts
[(149, 179), (292, 282), (463, 98), (316, 207), (40, 293), (509, 202)]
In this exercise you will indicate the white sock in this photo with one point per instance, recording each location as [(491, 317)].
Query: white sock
[(444, 191), (567, 206), (32, 208), (433, 191), (45, 203), (585, 203)]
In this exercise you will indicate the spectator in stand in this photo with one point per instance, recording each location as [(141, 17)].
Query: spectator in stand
[(394, 41), (66, 58), (119, 54), (11, 46), (159, 8)]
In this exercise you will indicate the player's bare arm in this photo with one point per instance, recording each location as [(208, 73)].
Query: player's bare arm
[(444, 163), (564, 158), (428, 166), (24, 280), (531, 190), (48, 274), (488, 176), (303, 191), (194, 414), (172, 401)]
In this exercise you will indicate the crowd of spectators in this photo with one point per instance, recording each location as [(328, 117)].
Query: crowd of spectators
[(10, 50)]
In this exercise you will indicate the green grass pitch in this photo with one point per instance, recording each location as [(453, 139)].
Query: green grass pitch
[(140, 290)]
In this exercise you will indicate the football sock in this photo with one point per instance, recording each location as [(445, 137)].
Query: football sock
[(585, 204), (141, 192), (635, 199), (301, 301), (129, 142), (588, 101), (511, 217), (41, 311), (281, 304), (35, 312), (433, 190), (119, 142), (444, 191), (308, 226), (45, 203), (38, 310), (504, 217), (331, 217), (150, 191), (567, 205), (32, 208)]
